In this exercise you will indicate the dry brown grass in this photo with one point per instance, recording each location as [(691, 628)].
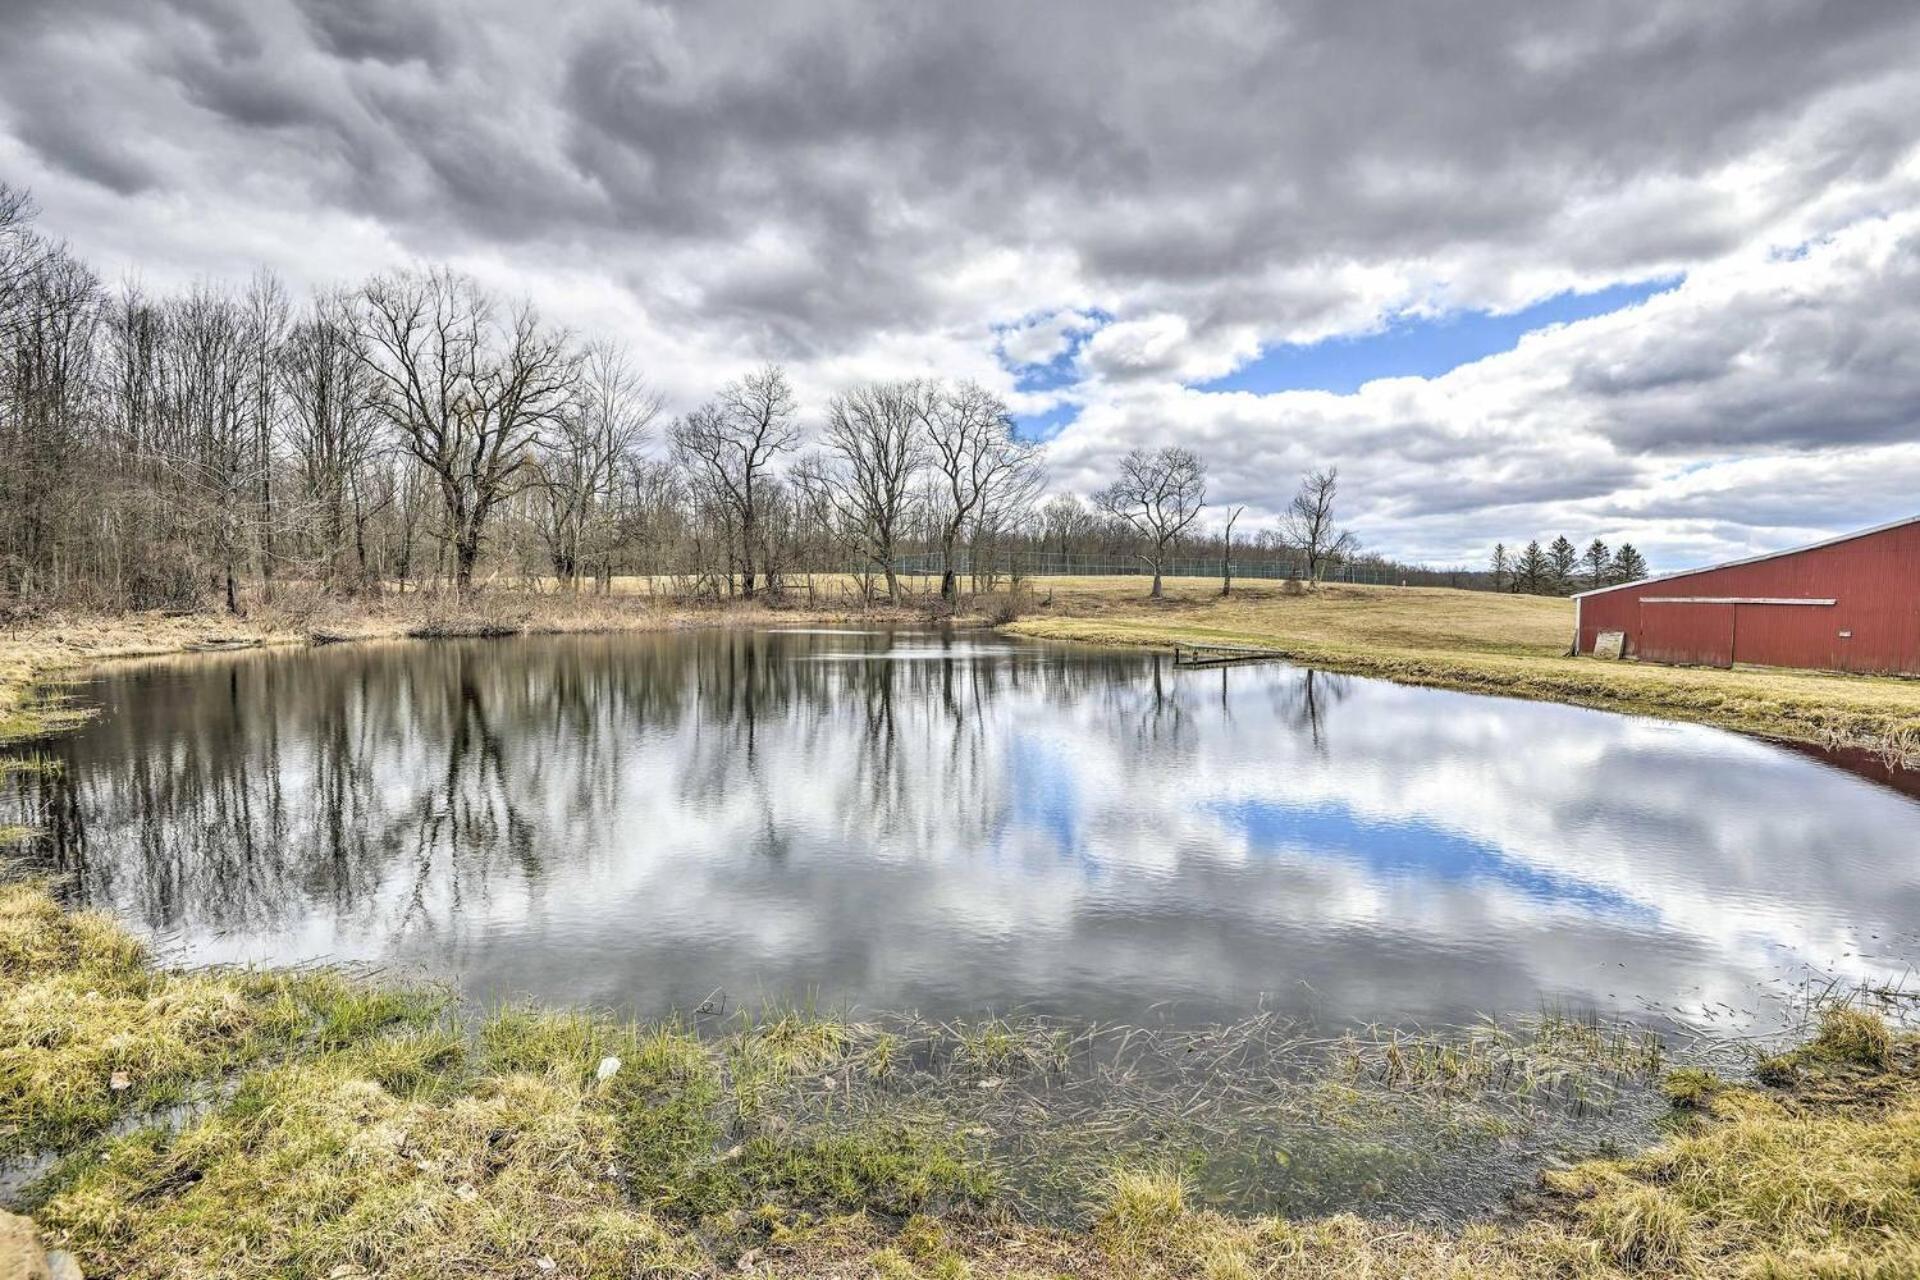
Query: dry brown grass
[(91, 1034), (1333, 614), (1482, 643)]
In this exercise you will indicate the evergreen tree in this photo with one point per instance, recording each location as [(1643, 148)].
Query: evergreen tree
[(1502, 566), (1628, 564), (1562, 558), (1534, 573), (1597, 562)]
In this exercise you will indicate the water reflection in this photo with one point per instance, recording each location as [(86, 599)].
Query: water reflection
[(954, 822)]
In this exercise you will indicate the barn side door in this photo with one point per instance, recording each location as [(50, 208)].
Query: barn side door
[(1695, 634)]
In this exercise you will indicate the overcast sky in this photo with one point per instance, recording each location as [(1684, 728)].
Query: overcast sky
[(1642, 271)]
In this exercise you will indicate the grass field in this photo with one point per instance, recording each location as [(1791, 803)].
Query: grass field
[(1482, 643)]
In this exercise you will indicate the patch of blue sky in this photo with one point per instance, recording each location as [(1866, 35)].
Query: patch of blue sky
[(1793, 252), (1417, 851), (1060, 369), (1421, 346), (1047, 425), (1054, 374)]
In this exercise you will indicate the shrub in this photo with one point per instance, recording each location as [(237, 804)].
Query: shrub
[(1002, 607)]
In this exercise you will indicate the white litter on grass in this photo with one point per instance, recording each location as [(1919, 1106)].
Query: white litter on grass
[(608, 1066)]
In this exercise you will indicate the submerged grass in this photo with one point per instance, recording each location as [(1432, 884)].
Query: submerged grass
[(364, 1130)]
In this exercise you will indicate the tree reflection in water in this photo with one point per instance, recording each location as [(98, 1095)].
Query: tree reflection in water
[(953, 820)]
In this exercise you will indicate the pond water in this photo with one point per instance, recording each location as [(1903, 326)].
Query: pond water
[(959, 822)]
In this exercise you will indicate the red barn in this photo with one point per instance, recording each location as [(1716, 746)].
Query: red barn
[(1848, 604)]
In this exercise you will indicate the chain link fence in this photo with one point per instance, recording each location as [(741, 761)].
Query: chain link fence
[(1057, 564)]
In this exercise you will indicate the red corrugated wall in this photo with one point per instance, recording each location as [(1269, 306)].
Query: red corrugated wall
[(1872, 626), (1696, 634)]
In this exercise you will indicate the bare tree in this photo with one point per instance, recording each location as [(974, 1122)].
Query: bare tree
[(1226, 553), (20, 250), (828, 525), (411, 487), (876, 449), (46, 371), (982, 471), (1310, 525), (582, 463), (1065, 522), (267, 315), (1159, 495), (208, 439), (730, 444), (331, 426), (468, 394), (649, 502)]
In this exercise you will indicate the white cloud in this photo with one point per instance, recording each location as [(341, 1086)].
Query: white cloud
[(1044, 339), (1165, 345), (1763, 400), (864, 192)]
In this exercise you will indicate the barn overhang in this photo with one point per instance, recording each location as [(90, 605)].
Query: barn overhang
[(1642, 583)]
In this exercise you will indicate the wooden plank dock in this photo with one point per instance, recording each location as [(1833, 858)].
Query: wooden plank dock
[(1216, 655)]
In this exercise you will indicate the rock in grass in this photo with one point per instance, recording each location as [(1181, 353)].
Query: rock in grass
[(23, 1257)]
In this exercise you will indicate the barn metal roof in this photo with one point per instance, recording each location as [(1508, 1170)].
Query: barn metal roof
[(1771, 555)]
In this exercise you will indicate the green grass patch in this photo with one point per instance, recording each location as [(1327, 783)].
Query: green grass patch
[(1690, 1087), (91, 1034)]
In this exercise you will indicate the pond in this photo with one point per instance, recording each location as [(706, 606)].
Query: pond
[(959, 822)]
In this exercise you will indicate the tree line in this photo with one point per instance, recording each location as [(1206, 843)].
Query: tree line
[(161, 450), (167, 451), (1560, 569)]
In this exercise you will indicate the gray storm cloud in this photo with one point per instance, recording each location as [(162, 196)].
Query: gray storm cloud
[(1149, 193)]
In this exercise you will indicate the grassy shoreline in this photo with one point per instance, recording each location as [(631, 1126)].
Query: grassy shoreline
[(38, 654), (1475, 642), (345, 1128)]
